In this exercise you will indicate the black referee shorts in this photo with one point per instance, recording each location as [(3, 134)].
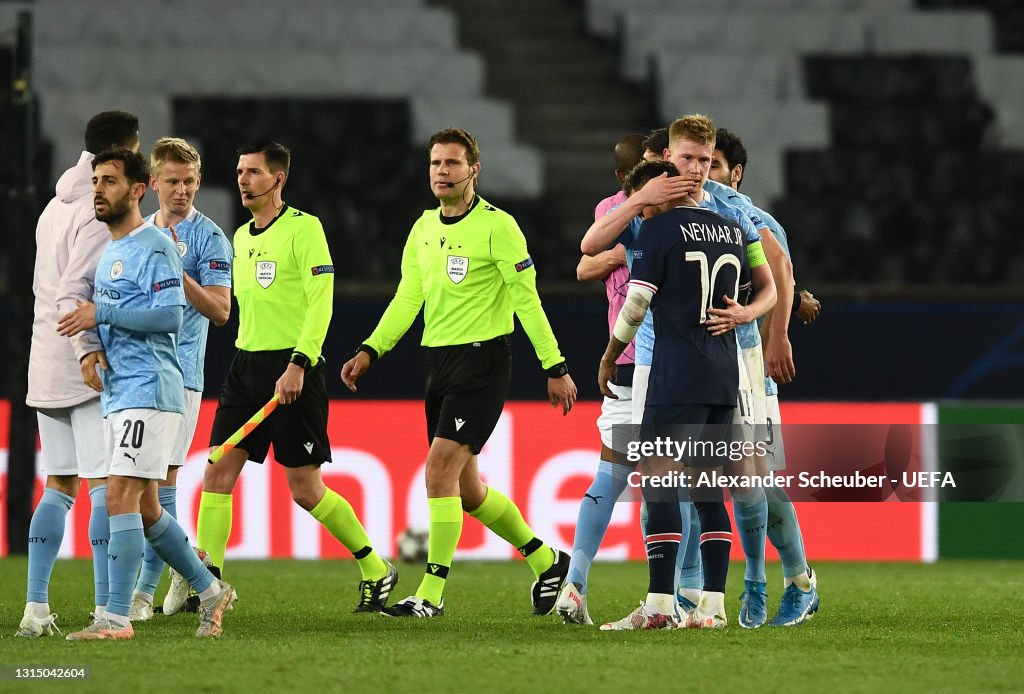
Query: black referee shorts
[(466, 390), (298, 431)]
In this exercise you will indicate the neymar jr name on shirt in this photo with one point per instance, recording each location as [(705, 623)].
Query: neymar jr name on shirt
[(711, 233)]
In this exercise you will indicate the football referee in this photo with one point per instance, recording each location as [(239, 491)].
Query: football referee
[(283, 279), (467, 264)]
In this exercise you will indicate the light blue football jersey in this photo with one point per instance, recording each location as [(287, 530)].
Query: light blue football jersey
[(734, 197), (206, 256), (644, 339), (141, 270)]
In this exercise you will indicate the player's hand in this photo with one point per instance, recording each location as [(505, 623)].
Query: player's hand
[(289, 386), (606, 373), (722, 320), (82, 318), (778, 358), (664, 188), (562, 391), (174, 234), (90, 376), (809, 307), (354, 369)]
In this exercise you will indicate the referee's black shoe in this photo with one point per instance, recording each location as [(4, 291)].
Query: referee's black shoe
[(414, 607), (544, 591), (373, 595)]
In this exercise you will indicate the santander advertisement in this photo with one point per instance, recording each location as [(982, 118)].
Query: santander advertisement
[(543, 460)]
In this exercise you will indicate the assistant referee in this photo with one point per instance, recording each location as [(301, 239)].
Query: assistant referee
[(283, 279), (466, 263)]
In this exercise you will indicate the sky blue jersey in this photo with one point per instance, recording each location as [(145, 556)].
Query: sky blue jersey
[(206, 256), (140, 271), (734, 197)]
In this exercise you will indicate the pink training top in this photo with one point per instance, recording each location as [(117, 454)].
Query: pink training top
[(617, 283)]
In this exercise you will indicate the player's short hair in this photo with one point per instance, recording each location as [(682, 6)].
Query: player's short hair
[(457, 136), (640, 174), (656, 140), (136, 170), (279, 157), (732, 148), (175, 150), (696, 127), (111, 129)]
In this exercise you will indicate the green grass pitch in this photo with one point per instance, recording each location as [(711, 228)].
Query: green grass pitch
[(953, 626)]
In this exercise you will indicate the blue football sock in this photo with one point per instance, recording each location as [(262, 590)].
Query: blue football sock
[(152, 564), (689, 575), (751, 510), (784, 532), (595, 513), (124, 559), (99, 537), (171, 543), (45, 533)]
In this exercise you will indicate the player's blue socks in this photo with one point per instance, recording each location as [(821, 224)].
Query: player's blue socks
[(784, 532), (689, 576), (124, 558), (751, 510), (152, 564), (592, 522), (99, 538), (45, 533), (171, 543)]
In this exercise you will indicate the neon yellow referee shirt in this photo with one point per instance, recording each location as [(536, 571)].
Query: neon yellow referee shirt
[(469, 277), (284, 281)]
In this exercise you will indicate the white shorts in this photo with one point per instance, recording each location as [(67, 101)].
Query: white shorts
[(750, 402), (72, 440), (776, 451), (641, 377), (187, 431), (614, 412), (139, 442)]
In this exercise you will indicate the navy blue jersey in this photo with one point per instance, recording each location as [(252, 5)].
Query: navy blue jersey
[(690, 257)]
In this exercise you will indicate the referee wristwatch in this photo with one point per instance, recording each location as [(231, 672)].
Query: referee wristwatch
[(300, 359), (557, 371)]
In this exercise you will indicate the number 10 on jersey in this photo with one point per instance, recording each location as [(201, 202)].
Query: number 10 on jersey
[(707, 279)]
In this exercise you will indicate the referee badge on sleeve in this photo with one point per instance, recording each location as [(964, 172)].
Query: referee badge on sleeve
[(458, 266), (266, 271)]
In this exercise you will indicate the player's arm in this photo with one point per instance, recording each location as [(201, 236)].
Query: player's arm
[(508, 248), (722, 320), (212, 301), (638, 301), (211, 293), (601, 265), (778, 351), (603, 232), (76, 283), (399, 315)]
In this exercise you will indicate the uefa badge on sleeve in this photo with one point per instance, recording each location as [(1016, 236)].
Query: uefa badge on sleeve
[(266, 271), (458, 266)]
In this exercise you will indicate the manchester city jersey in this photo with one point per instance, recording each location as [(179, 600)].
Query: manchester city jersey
[(690, 257), (644, 339), (750, 336), (205, 257), (139, 271)]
